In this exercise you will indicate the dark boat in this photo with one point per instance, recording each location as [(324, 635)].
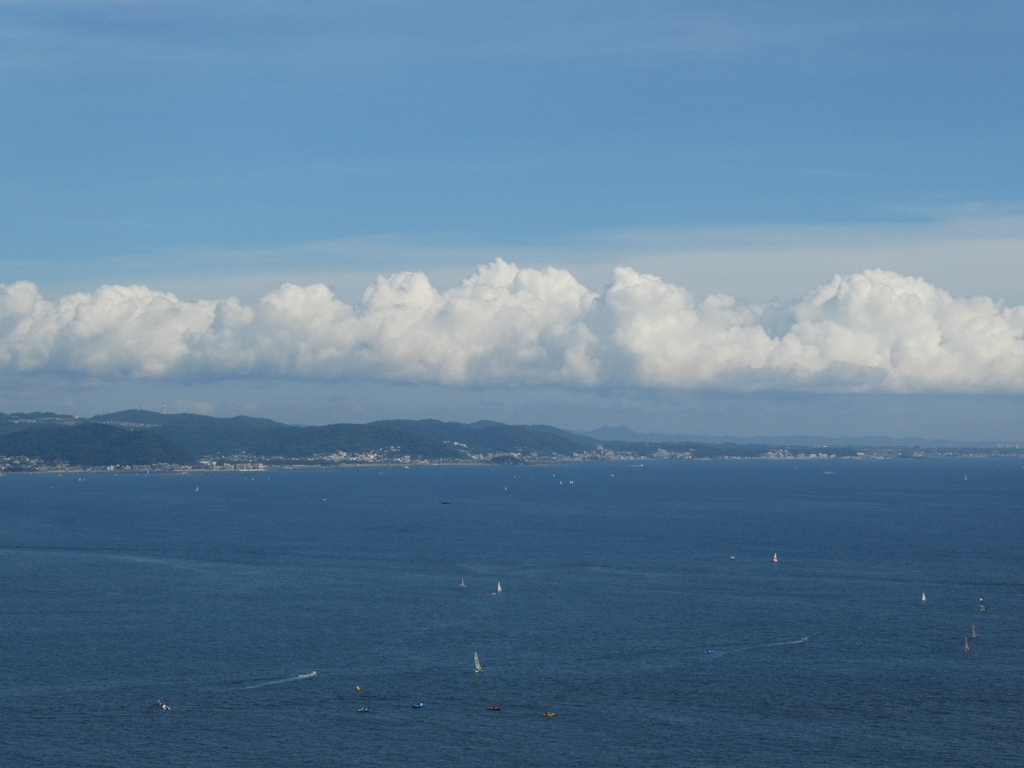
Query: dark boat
[(494, 709)]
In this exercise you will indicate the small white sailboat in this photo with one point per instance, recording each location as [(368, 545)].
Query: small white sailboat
[(775, 557), (462, 582), (974, 631), (924, 599), (967, 646), (499, 587), (476, 663)]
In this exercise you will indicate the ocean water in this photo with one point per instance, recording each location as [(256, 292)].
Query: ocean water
[(119, 590)]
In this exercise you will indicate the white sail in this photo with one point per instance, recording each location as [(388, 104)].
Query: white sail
[(476, 662), (923, 598), (499, 586)]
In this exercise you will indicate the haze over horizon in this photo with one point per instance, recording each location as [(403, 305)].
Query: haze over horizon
[(718, 219)]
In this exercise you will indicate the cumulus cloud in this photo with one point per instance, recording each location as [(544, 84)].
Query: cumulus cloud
[(874, 331)]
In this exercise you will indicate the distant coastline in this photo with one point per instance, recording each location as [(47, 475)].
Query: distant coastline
[(145, 441), (625, 434)]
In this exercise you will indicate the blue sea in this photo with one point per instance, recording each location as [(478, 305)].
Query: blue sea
[(218, 593)]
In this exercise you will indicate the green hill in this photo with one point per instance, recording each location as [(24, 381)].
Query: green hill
[(200, 435), (427, 439), (88, 444), (492, 437), (16, 422), (145, 437)]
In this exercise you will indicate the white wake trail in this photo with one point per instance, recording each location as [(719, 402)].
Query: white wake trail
[(724, 651), (279, 681)]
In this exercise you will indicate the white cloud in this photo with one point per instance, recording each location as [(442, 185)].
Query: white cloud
[(873, 331)]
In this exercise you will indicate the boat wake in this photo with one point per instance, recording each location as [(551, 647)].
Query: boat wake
[(723, 651), (279, 681)]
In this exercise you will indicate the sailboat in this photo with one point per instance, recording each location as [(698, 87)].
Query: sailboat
[(923, 598), (981, 603), (974, 631), (967, 646), (775, 557), (462, 582), (476, 663), (499, 587)]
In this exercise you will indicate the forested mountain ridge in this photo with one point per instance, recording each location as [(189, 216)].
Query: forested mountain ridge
[(89, 444), (137, 437), (428, 439)]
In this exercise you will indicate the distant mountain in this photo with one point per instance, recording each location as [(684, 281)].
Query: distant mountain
[(492, 436), (577, 436), (88, 444), (627, 435), (15, 422), (424, 439), (200, 435), (139, 417), (377, 437), (145, 437)]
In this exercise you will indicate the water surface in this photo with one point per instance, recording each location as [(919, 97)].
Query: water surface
[(119, 590)]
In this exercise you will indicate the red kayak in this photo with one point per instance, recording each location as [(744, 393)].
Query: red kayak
[(494, 709)]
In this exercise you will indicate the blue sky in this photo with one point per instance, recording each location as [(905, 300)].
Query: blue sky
[(211, 150)]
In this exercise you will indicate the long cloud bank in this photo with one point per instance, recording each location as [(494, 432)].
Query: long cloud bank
[(874, 331)]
